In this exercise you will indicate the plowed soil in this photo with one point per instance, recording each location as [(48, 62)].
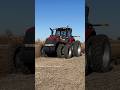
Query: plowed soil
[(60, 73), (104, 81)]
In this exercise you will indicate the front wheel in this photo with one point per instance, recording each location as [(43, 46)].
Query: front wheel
[(60, 50), (19, 64)]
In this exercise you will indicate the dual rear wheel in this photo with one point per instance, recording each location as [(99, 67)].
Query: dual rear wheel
[(69, 50), (98, 54)]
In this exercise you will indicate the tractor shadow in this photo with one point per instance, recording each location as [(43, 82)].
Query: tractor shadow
[(115, 62)]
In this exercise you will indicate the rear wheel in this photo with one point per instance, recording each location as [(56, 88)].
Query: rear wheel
[(88, 56), (77, 48), (68, 52), (100, 58), (60, 50)]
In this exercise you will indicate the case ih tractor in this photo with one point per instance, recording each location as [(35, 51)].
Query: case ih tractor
[(61, 43), (98, 49)]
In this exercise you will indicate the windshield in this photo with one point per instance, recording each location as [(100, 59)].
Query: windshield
[(69, 33), (60, 33), (57, 33), (63, 33)]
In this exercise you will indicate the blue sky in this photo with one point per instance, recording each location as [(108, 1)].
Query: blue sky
[(106, 11), (16, 16), (57, 13)]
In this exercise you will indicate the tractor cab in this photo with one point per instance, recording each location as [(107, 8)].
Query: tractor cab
[(62, 32), (67, 32)]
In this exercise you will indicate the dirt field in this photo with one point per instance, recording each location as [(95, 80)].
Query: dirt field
[(17, 82), (104, 81), (60, 74)]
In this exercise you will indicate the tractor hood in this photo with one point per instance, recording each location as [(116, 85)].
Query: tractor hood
[(53, 38)]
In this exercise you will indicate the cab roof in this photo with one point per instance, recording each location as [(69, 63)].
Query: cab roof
[(63, 28)]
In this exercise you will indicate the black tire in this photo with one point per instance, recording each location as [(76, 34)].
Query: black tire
[(100, 58), (88, 56), (19, 64), (60, 50), (68, 52), (77, 48)]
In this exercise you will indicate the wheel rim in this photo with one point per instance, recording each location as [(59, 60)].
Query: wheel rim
[(79, 50), (70, 52), (106, 55)]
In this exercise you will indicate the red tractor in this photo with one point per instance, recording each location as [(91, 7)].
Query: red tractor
[(61, 44), (98, 49)]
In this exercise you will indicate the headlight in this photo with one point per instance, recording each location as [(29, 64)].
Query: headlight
[(49, 44)]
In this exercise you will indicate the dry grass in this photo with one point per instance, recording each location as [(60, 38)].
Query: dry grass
[(83, 48), (7, 47), (115, 44), (38, 45), (11, 39)]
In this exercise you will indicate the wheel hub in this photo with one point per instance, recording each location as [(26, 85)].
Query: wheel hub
[(79, 50), (70, 52)]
